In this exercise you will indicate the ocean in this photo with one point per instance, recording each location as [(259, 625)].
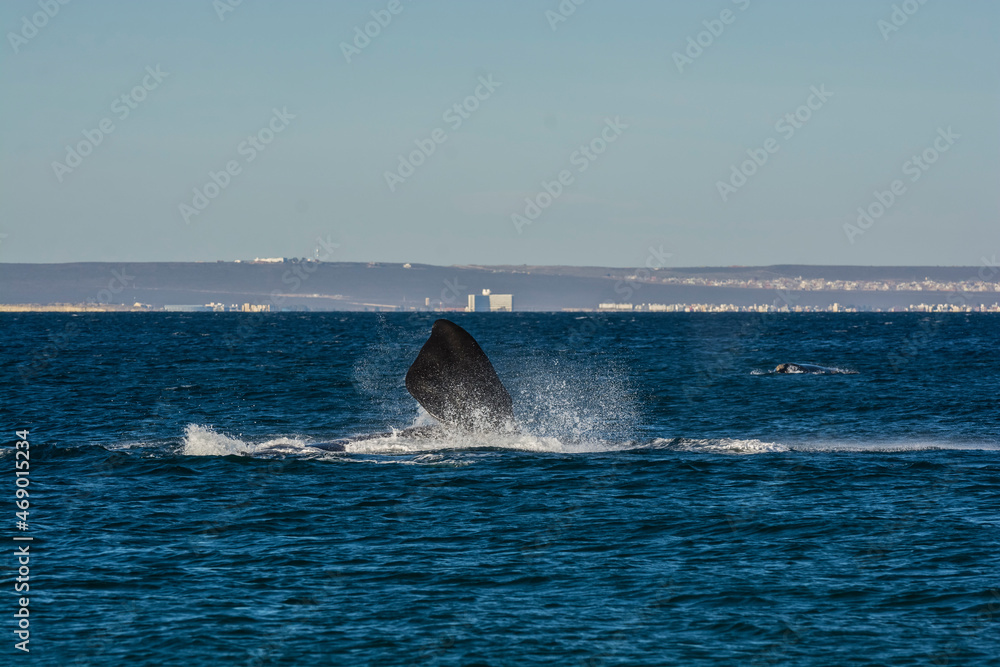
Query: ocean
[(668, 500)]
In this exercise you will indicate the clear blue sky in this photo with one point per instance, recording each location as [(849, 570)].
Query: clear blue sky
[(657, 184)]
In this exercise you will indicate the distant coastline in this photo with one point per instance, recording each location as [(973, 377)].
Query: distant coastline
[(639, 309), (292, 284)]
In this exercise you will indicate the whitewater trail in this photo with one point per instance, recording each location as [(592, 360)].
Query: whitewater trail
[(204, 441)]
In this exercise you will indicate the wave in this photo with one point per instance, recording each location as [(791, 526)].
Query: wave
[(204, 441), (754, 446), (718, 445), (892, 446)]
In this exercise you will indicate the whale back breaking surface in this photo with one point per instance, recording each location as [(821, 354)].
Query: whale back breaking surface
[(812, 369), (453, 379)]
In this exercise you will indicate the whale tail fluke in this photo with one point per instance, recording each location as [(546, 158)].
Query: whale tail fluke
[(454, 381)]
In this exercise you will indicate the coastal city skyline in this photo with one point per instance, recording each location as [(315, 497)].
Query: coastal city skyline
[(275, 284)]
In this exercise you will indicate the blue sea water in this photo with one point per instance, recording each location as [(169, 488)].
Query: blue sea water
[(668, 500)]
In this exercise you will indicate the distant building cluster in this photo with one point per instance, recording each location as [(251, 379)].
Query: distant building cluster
[(220, 308), (821, 284), (273, 260), (770, 308), (134, 308), (709, 308), (950, 308), (485, 302)]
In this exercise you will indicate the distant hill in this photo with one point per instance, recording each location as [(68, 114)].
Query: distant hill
[(360, 286), (855, 273)]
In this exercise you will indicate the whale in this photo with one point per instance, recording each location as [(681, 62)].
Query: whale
[(811, 369), (456, 384)]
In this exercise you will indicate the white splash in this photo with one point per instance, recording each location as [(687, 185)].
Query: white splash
[(720, 445), (205, 441), (400, 443), (426, 445)]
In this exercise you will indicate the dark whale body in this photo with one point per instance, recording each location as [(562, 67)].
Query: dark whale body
[(812, 369), (454, 381)]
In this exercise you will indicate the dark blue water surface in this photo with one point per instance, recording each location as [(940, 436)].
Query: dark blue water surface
[(668, 501)]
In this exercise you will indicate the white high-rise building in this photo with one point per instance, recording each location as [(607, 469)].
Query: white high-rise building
[(490, 303)]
